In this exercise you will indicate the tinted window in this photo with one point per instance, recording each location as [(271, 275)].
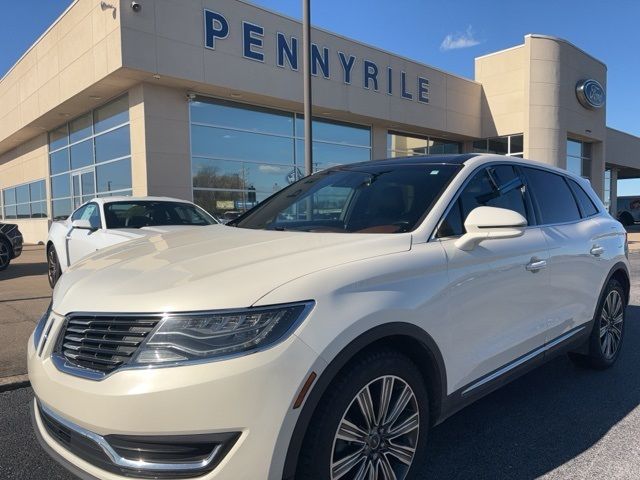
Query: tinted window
[(498, 186), (369, 199), (554, 198), (586, 204)]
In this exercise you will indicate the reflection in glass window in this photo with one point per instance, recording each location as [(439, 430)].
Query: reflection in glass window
[(80, 128), (512, 145), (114, 176), (81, 154), (243, 154), (111, 115), (85, 149), (232, 144), (405, 145), (114, 144), (25, 201), (579, 157)]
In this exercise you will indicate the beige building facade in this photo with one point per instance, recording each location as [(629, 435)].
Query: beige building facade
[(202, 100)]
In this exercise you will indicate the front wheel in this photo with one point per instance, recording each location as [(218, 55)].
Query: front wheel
[(371, 423), (606, 337), (53, 266)]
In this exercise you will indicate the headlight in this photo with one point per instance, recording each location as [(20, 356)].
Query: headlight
[(206, 336), (37, 333)]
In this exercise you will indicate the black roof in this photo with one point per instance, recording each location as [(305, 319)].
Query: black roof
[(456, 159)]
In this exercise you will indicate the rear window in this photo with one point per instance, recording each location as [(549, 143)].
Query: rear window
[(586, 204), (555, 201)]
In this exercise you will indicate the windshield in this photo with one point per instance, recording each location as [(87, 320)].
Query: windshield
[(363, 199), (135, 214)]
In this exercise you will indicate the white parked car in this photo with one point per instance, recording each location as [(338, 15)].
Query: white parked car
[(332, 328), (107, 221)]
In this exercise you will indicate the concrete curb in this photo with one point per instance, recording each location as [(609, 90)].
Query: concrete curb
[(13, 383)]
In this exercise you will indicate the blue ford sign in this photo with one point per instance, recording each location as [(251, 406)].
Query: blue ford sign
[(367, 73), (590, 94)]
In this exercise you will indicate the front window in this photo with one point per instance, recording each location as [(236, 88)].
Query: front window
[(360, 199), (132, 214)]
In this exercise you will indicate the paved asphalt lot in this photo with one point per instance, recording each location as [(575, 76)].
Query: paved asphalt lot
[(24, 296), (557, 422)]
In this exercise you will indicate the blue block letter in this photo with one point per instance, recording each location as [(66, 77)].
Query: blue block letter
[(403, 86), (370, 73), (288, 51), (252, 37), (318, 60), (423, 90), (347, 65), (215, 26)]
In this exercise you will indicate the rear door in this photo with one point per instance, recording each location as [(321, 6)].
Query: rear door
[(497, 313), (575, 238)]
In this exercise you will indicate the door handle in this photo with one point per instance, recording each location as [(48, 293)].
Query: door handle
[(534, 265), (596, 250)]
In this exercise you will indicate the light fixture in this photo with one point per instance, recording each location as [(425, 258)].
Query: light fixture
[(156, 76), (235, 95), (95, 97), (327, 114), (588, 131), (64, 114)]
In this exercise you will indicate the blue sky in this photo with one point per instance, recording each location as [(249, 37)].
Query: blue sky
[(418, 29)]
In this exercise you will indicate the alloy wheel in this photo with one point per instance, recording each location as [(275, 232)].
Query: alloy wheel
[(378, 434), (52, 266), (4, 254), (611, 321)]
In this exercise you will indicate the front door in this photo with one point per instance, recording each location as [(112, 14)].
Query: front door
[(496, 291), (84, 188)]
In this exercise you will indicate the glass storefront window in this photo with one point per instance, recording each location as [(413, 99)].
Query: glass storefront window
[(95, 157), (242, 154), (511, 145), (25, 201), (579, 157), (405, 145)]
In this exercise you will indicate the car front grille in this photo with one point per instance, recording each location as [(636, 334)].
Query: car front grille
[(103, 343)]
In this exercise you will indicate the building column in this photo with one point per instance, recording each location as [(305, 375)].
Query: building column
[(378, 142), (597, 168), (613, 196)]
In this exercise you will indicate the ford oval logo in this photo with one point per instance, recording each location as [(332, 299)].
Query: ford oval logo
[(590, 93)]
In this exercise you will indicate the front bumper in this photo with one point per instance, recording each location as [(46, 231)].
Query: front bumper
[(251, 395)]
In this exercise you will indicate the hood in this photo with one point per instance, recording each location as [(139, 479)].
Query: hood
[(208, 268), (133, 233)]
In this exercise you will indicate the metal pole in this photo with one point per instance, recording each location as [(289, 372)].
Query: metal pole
[(306, 64)]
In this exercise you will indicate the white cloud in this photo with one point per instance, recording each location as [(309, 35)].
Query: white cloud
[(459, 40), (271, 169)]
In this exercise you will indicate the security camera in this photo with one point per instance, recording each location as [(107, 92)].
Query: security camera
[(191, 96), (136, 6)]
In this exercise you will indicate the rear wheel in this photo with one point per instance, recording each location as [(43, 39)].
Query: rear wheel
[(371, 424), (5, 254), (53, 266), (606, 337), (626, 219)]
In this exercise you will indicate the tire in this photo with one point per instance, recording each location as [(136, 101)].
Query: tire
[(5, 254), (53, 266), (626, 219), (607, 335), (323, 454)]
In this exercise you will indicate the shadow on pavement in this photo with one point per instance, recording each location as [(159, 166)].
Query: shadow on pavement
[(15, 270), (540, 421)]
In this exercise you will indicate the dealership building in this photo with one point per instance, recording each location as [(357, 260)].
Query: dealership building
[(202, 100)]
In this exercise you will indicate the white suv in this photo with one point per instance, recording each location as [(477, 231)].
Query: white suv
[(328, 329)]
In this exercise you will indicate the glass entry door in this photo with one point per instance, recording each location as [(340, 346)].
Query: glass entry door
[(84, 187)]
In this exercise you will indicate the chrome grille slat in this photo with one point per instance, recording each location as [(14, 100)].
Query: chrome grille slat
[(103, 344)]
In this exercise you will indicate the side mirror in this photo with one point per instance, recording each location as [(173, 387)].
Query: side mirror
[(82, 225), (484, 223)]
